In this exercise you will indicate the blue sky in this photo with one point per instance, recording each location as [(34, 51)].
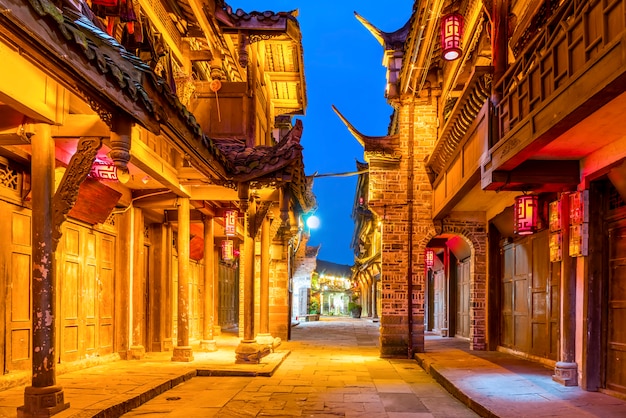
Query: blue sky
[(343, 67)]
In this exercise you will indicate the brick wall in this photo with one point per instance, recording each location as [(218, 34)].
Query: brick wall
[(401, 195), (394, 185)]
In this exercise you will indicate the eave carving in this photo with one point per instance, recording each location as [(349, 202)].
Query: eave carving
[(463, 115), (75, 173)]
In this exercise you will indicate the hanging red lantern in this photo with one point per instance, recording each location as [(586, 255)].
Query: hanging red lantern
[(228, 247), (230, 223), (526, 214), (451, 32), (429, 257), (103, 170)]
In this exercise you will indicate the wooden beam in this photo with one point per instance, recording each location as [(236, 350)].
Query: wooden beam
[(195, 215), (213, 192), (203, 55), (544, 175), (75, 126)]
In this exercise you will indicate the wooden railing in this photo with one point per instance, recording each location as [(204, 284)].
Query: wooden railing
[(574, 38)]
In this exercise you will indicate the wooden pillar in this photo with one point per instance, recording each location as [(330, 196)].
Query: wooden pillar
[(183, 351), (160, 284), (499, 42), (566, 369), (208, 342), (138, 286), (43, 397), (168, 311), (248, 351), (248, 283), (264, 336), (374, 296), (264, 320)]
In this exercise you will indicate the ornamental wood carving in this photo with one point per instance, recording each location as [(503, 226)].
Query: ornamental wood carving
[(75, 173)]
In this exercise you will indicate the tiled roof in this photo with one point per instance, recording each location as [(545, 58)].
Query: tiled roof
[(333, 269), (250, 163), (130, 75), (260, 20), (127, 71)]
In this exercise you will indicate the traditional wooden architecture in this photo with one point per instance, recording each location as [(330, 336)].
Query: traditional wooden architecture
[(131, 133), (505, 157), (367, 246)]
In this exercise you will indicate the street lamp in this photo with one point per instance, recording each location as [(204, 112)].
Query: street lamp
[(313, 222)]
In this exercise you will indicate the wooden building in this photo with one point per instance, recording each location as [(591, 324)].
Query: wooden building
[(131, 132), (504, 161)]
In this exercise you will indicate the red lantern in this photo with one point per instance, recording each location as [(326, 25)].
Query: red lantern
[(228, 253), (526, 214), (103, 170), (429, 256), (451, 32), (230, 222)]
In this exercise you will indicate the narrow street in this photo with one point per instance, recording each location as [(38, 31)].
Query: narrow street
[(333, 371)]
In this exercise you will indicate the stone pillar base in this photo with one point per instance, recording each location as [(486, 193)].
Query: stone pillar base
[(182, 353), (267, 339), (42, 402), (136, 352), (208, 345), (168, 344), (249, 352), (217, 330), (566, 373)]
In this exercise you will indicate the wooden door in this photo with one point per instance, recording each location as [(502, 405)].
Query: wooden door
[(616, 330), (17, 275), (106, 304), (515, 279), (544, 295), (439, 291), (463, 300), (85, 292), (228, 296), (530, 297)]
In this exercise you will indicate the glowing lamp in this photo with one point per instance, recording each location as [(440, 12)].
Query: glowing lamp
[(228, 247), (230, 223), (429, 256), (526, 214), (451, 32), (313, 222), (103, 170)]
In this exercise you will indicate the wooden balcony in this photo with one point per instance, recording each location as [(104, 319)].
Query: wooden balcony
[(455, 161), (575, 67)]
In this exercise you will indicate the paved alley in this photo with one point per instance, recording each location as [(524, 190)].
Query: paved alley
[(333, 370)]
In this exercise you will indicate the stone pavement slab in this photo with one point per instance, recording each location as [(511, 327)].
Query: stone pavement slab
[(497, 384)]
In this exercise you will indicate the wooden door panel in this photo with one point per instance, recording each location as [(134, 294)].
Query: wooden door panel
[(86, 290), (463, 299), (616, 338), (20, 311), (18, 307), (105, 292), (69, 303)]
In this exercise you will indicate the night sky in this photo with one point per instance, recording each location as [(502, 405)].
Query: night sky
[(343, 67)]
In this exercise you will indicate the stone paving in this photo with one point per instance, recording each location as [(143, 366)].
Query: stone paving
[(333, 370), (330, 368)]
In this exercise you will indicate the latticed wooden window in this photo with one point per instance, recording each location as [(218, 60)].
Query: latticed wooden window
[(615, 199), (10, 181)]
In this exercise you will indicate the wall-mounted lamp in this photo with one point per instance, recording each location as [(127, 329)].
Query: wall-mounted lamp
[(429, 257), (526, 214), (228, 250), (451, 32), (230, 222)]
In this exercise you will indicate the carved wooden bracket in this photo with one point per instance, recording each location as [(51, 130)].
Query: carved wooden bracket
[(256, 219), (74, 175)]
